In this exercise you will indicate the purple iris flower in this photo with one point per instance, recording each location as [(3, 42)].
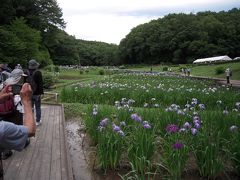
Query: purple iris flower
[(116, 128), (196, 122), (136, 118), (147, 126), (177, 145), (196, 118), (172, 128), (194, 131), (197, 125), (186, 125), (104, 122)]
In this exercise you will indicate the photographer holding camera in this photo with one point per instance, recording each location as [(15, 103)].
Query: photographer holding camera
[(13, 136), (16, 80), (11, 110)]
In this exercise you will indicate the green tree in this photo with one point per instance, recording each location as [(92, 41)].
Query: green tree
[(181, 38), (64, 49), (11, 47), (19, 43)]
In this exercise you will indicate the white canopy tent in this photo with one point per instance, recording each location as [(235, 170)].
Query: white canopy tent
[(212, 59)]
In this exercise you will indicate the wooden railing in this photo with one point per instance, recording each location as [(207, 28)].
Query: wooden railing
[(50, 97)]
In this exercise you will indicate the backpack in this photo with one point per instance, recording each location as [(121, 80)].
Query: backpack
[(30, 80), (7, 107), (10, 112)]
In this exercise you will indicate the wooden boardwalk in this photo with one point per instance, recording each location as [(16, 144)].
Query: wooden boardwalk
[(46, 158)]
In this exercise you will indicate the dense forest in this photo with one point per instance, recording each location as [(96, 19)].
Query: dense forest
[(35, 29), (181, 38)]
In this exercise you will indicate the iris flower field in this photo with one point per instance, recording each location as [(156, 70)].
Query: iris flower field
[(158, 126)]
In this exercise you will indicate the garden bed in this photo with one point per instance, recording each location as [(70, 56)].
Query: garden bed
[(152, 127), (83, 157)]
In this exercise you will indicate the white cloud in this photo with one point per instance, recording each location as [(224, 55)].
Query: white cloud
[(102, 27), (111, 20)]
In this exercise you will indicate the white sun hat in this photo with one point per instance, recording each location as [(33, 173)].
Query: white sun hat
[(15, 77)]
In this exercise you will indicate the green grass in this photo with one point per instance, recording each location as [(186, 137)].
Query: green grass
[(73, 76), (75, 110), (210, 146), (76, 73), (207, 70), (68, 77)]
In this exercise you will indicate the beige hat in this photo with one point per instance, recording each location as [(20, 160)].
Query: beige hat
[(16, 76)]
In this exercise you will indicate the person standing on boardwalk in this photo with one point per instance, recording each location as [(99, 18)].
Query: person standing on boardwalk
[(228, 75), (14, 136), (36, 81)]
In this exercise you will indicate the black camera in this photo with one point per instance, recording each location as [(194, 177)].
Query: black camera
[(16, 88)]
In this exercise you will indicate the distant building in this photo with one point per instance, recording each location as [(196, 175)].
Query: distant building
[(212, 60)]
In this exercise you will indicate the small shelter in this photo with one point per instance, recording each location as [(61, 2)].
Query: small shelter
[(212, 59)]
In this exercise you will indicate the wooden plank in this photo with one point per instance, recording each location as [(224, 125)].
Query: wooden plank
[(42, 170), (56, 154), (31, 152), (6, 163), (17, 164), (19, 161), (38, 155), (47, 155)]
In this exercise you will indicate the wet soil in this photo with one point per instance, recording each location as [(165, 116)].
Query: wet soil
[(83, 154), (83, 157)]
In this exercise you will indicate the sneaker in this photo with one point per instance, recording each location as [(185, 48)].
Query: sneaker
[(38, 123)]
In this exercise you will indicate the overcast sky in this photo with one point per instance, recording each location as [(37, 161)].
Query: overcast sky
[(111, 20)]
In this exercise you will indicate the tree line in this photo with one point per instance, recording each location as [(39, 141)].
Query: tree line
[(35, 29), (182, 38)]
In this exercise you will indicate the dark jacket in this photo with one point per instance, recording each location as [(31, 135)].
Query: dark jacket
[(37, 77)]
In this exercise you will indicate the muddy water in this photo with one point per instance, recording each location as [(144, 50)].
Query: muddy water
[(82, 154)]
